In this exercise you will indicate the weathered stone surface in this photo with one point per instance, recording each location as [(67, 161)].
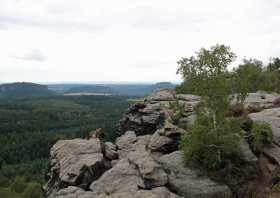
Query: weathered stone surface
[(161, 143), (188, 97), (162, 95), (72, 192), (152, 175), (273, 153), (111, 151), (247, 154), (125, 143), (75, 162), (123, 177), (187, 183), (170, 130), (260, 100), (271, 116)]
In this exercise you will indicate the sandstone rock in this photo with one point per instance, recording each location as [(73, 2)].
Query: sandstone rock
[(247, 154), (162, 95), (123, 177), (160, 143), (125, 143), (111, 151), (152, 175), (187, 183), (72, 192), (189, 120), (75, 162), (170, 130), (143, 119), (188, 97), (260, 100), (271, 116)]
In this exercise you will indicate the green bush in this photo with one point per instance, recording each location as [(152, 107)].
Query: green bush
[(33, 190), (18, 185), (4, 181), (205, 146), (261, 135)]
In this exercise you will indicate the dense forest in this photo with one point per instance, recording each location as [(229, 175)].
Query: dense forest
[(29, 126)]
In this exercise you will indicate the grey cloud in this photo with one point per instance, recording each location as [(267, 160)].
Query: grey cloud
[(35, 55)]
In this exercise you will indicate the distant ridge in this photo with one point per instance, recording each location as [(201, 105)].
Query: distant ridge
[(24, 89), (113, 89)]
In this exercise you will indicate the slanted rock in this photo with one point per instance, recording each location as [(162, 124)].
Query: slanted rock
[(75, 162), (187, 183), (161, 95), (271, 116), (160, 143), (123, 177), (247, 154), (152, 174), (111, 151), (260, 100), (125, 143)]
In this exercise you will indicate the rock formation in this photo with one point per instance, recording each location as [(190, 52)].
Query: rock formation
[(145, 160)]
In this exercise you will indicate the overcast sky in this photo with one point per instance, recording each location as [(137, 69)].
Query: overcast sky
[(127, 40)]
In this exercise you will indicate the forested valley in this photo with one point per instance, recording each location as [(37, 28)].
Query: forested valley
[(29, 126)]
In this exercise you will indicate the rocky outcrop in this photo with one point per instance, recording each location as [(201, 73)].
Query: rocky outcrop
[(145, 160), (187, 182), (75, 162)]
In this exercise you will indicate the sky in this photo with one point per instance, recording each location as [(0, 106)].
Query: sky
[(127, 40)]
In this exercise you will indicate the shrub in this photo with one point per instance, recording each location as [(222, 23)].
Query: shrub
[(207, 147), (261, 135), (33, 190), (178, 111), (18, 185)]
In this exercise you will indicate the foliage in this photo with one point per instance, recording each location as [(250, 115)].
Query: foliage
[(212, 139), (29, 126), (261, 135), (33, 190), (18, 185), (178, 110), (246, 78), (210, 147)]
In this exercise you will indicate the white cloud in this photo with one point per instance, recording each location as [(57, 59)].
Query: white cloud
[(126, 40)]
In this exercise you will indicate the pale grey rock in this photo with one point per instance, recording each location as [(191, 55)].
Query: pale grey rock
[(160, 143), (152, 175), (247, 154), (171, 130), (111, 151), (272, 117), (123, 177), (186, 181), (162, 95), (72, 192), (259, 100), (125, 143), (188, 97), (75, 162)]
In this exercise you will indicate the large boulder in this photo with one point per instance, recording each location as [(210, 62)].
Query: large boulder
[(187, 182), (123, 177), (271, 116), (75, 162), (260, 100), (152, 174)]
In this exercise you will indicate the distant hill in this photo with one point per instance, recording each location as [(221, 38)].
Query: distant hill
[(163, 85), (114, 89), (91, 89), (24, 89)]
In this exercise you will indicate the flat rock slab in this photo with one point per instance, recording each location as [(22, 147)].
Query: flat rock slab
[(271, 116), (187, 183)]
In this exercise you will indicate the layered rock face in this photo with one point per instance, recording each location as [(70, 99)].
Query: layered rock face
[(145, 160)]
